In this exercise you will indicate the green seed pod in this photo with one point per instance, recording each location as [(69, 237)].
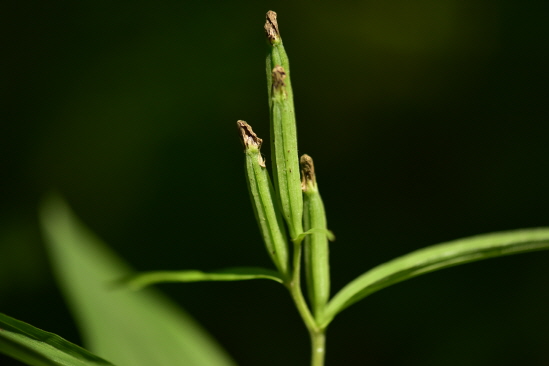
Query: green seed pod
[(263, 199), (283, 129), (276, 55), (317, 267), (284, 154)]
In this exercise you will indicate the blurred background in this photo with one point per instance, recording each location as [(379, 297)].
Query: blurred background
[(427, 120)]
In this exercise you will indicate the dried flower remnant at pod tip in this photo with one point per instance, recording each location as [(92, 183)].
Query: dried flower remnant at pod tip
[(250, 139), (247, 135), (271, 27), (307, 172)]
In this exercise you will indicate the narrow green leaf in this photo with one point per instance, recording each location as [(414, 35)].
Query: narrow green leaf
[(36, 347), (437, 257), (229, 274), (129, 328)]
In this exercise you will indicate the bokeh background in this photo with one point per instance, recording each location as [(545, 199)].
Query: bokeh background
[(427, 120)]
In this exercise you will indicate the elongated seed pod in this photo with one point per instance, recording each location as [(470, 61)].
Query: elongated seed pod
[(284, 154), (317, 267), (263, 198)]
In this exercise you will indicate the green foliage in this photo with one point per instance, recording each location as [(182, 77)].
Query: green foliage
[(229, 274), (143, 328), (437, 257), (129, 328), (39, 348)]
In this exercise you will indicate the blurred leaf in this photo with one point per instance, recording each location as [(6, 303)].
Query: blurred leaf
[(36, 347), (130, 328), (228, 274), (434, 258)]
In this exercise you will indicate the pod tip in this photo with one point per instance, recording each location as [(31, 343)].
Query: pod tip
[(308, 177), (250, 139), (271, 28)]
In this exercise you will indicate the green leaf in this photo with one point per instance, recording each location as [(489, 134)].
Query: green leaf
[(434, 258), (129, 328), (229, 274), (36, 347)]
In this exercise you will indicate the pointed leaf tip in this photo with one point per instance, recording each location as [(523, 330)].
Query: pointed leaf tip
[(437, 257), (129, 328)]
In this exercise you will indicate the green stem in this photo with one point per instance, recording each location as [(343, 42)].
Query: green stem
[(317, 334), (318, 347), (294, 286)]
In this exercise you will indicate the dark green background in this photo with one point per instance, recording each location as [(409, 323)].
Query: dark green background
[(427, 120)]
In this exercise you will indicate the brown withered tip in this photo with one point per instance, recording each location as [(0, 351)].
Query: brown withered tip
[(247, 135), (279, 74), (307, 171), (250, 139), (271, 27)]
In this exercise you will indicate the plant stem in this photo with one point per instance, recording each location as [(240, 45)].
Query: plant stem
[(294, 286), (318, 347), (317, 334)]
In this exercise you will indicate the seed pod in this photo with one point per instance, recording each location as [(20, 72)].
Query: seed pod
[(263, 199), (284, 153), (317, 267), (283, 129), (276, 55)]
